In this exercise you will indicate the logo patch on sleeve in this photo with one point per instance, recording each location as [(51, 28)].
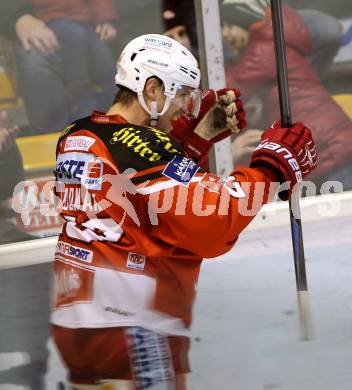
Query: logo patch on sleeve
[(136, 261), (80, 168), (79, 143), (74, 251), (181, 169)]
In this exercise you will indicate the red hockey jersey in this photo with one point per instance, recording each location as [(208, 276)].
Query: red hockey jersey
[(139, 218)]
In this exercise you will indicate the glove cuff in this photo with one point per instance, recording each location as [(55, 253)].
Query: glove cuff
[(283, 175), (196, 146), (182, 127)]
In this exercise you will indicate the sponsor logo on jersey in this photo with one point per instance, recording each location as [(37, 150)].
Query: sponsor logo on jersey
[(139, 144), (95, 169), (74, 251), (93, 180), (67, 283), (136, 261), (71, 284), (80, 168), (82, 143), (181, 169)]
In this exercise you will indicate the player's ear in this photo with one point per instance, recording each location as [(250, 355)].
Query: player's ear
[(152, 86)]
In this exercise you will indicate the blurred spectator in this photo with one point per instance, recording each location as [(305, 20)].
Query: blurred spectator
[(61, 57), (180, 22), (11, 172), (251, 34), (136, 18), (337, 8), (325, 31), (338, 77)]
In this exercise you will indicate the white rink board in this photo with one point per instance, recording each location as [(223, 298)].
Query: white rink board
[(246, 331)]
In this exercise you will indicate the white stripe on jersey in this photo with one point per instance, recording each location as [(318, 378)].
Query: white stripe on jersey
[(75, 263), (165, 185)]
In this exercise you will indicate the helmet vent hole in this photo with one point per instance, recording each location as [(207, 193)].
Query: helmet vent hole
[(184, 53), (133, 56), (137, 70), (141, 49), (137, 78)]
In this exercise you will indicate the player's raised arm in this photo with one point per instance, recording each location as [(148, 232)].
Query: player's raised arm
[(214, 211)]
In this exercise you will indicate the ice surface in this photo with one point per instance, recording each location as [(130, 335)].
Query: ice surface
[(246, 328)]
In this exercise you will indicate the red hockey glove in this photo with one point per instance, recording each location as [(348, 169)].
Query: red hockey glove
[(221, 113), (291, 152)]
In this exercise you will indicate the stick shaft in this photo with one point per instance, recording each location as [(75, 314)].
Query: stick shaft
[(281, 64), (286, 120)]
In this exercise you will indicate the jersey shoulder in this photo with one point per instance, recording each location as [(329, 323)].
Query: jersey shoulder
[(140, 147), (131, 146)]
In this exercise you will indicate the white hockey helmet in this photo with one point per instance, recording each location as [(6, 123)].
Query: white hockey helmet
[(158, 55)]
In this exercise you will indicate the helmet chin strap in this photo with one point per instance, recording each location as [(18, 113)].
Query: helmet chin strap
[(153, 111)]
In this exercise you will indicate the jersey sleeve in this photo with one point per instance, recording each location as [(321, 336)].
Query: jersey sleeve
[(206, 216), (186, 208)]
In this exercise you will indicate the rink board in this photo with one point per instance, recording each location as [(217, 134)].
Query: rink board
[(245, 334)]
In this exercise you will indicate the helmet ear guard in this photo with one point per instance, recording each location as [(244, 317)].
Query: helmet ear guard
[(157, 55)]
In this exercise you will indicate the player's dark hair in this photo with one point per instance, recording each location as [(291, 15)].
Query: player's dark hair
[(124, 95)]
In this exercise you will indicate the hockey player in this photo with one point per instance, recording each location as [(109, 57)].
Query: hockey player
[(140, 215)]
